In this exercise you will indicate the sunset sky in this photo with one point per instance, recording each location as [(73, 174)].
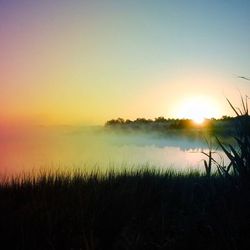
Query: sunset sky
[(87, 61)]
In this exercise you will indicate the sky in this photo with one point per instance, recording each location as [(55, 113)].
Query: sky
[(87, 61)]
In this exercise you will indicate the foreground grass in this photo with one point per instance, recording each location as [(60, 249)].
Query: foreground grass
[(127, 210)]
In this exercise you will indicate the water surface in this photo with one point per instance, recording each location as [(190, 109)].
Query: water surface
[(88, 148)]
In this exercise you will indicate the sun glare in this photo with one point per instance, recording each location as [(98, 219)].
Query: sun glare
[(198, 109), (198, 120)]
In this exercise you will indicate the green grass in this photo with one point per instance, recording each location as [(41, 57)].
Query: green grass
[(144, 209)]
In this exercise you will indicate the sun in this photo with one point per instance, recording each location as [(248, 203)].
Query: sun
[(198, 120), (198, 109)]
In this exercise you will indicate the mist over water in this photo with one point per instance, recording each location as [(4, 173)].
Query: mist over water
[(89, 148)]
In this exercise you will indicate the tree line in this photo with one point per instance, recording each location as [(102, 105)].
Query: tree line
[(162, 122)]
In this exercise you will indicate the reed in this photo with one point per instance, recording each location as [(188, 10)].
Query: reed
[(131, 209), (239, 152)]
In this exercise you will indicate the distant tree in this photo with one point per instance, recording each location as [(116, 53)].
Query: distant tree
[(226, 117), (142, 120), (120, 121), (110, 122), (185, 123), (160, 119), (114, 122), (128, 121)]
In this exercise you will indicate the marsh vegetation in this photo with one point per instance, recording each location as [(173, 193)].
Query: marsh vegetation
[(143, 208)]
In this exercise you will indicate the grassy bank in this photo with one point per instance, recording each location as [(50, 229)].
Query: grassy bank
[(127, 210)]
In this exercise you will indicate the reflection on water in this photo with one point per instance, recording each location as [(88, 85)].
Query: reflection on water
[(34, 148)]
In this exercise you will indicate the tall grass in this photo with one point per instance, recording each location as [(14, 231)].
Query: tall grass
[(239, 152), (144, 209)]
